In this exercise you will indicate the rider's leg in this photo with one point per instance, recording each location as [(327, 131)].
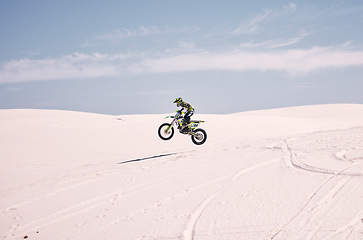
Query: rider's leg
[(188, 115), (186, 119)]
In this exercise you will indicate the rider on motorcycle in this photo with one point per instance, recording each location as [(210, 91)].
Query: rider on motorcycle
[(188, 108)]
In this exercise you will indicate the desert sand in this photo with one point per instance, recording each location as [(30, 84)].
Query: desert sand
[(290, 173)]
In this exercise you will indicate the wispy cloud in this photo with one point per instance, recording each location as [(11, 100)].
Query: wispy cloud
[(142, 31), (294, 62), (277, 43), (127, 33), (253, 25), (288, 8), (14, 89), (66, 67)]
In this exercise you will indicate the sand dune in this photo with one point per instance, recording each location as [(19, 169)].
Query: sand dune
[(291, 173)]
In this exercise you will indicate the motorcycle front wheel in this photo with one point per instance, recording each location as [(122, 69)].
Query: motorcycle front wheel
[(164, 133), (199, 137)]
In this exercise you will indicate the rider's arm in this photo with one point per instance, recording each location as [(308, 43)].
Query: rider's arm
[(186, 106)]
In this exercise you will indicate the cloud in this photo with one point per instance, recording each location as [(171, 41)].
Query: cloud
[(66, 67), (277, 43), (14, 89), (288, 9), (186, 44), (119, 34), (294, 62), (253, 25), (126, 33)]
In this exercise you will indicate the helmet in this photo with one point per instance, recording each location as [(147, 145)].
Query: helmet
[(178, 101)]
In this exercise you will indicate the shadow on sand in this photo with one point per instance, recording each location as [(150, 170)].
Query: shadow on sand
[(147, 158)]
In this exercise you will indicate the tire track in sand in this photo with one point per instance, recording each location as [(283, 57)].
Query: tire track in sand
[(89, 204), (189, 231), (293, 161)]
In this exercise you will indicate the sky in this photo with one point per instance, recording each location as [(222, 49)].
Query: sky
[(135, 57)]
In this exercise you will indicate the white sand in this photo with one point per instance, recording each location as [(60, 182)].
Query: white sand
[(292, 173)]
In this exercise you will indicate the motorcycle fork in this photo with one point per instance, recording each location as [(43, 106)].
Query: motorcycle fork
[(170, 126)]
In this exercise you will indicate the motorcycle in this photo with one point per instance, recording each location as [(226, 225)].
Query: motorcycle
[(166, 130)]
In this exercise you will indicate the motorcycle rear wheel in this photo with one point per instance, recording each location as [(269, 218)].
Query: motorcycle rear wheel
[(163, 133), (199, 137)]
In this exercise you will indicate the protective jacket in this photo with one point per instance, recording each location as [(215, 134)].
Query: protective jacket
[(187, 107)]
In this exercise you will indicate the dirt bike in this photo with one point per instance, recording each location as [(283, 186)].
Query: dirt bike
[(166, 130)]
